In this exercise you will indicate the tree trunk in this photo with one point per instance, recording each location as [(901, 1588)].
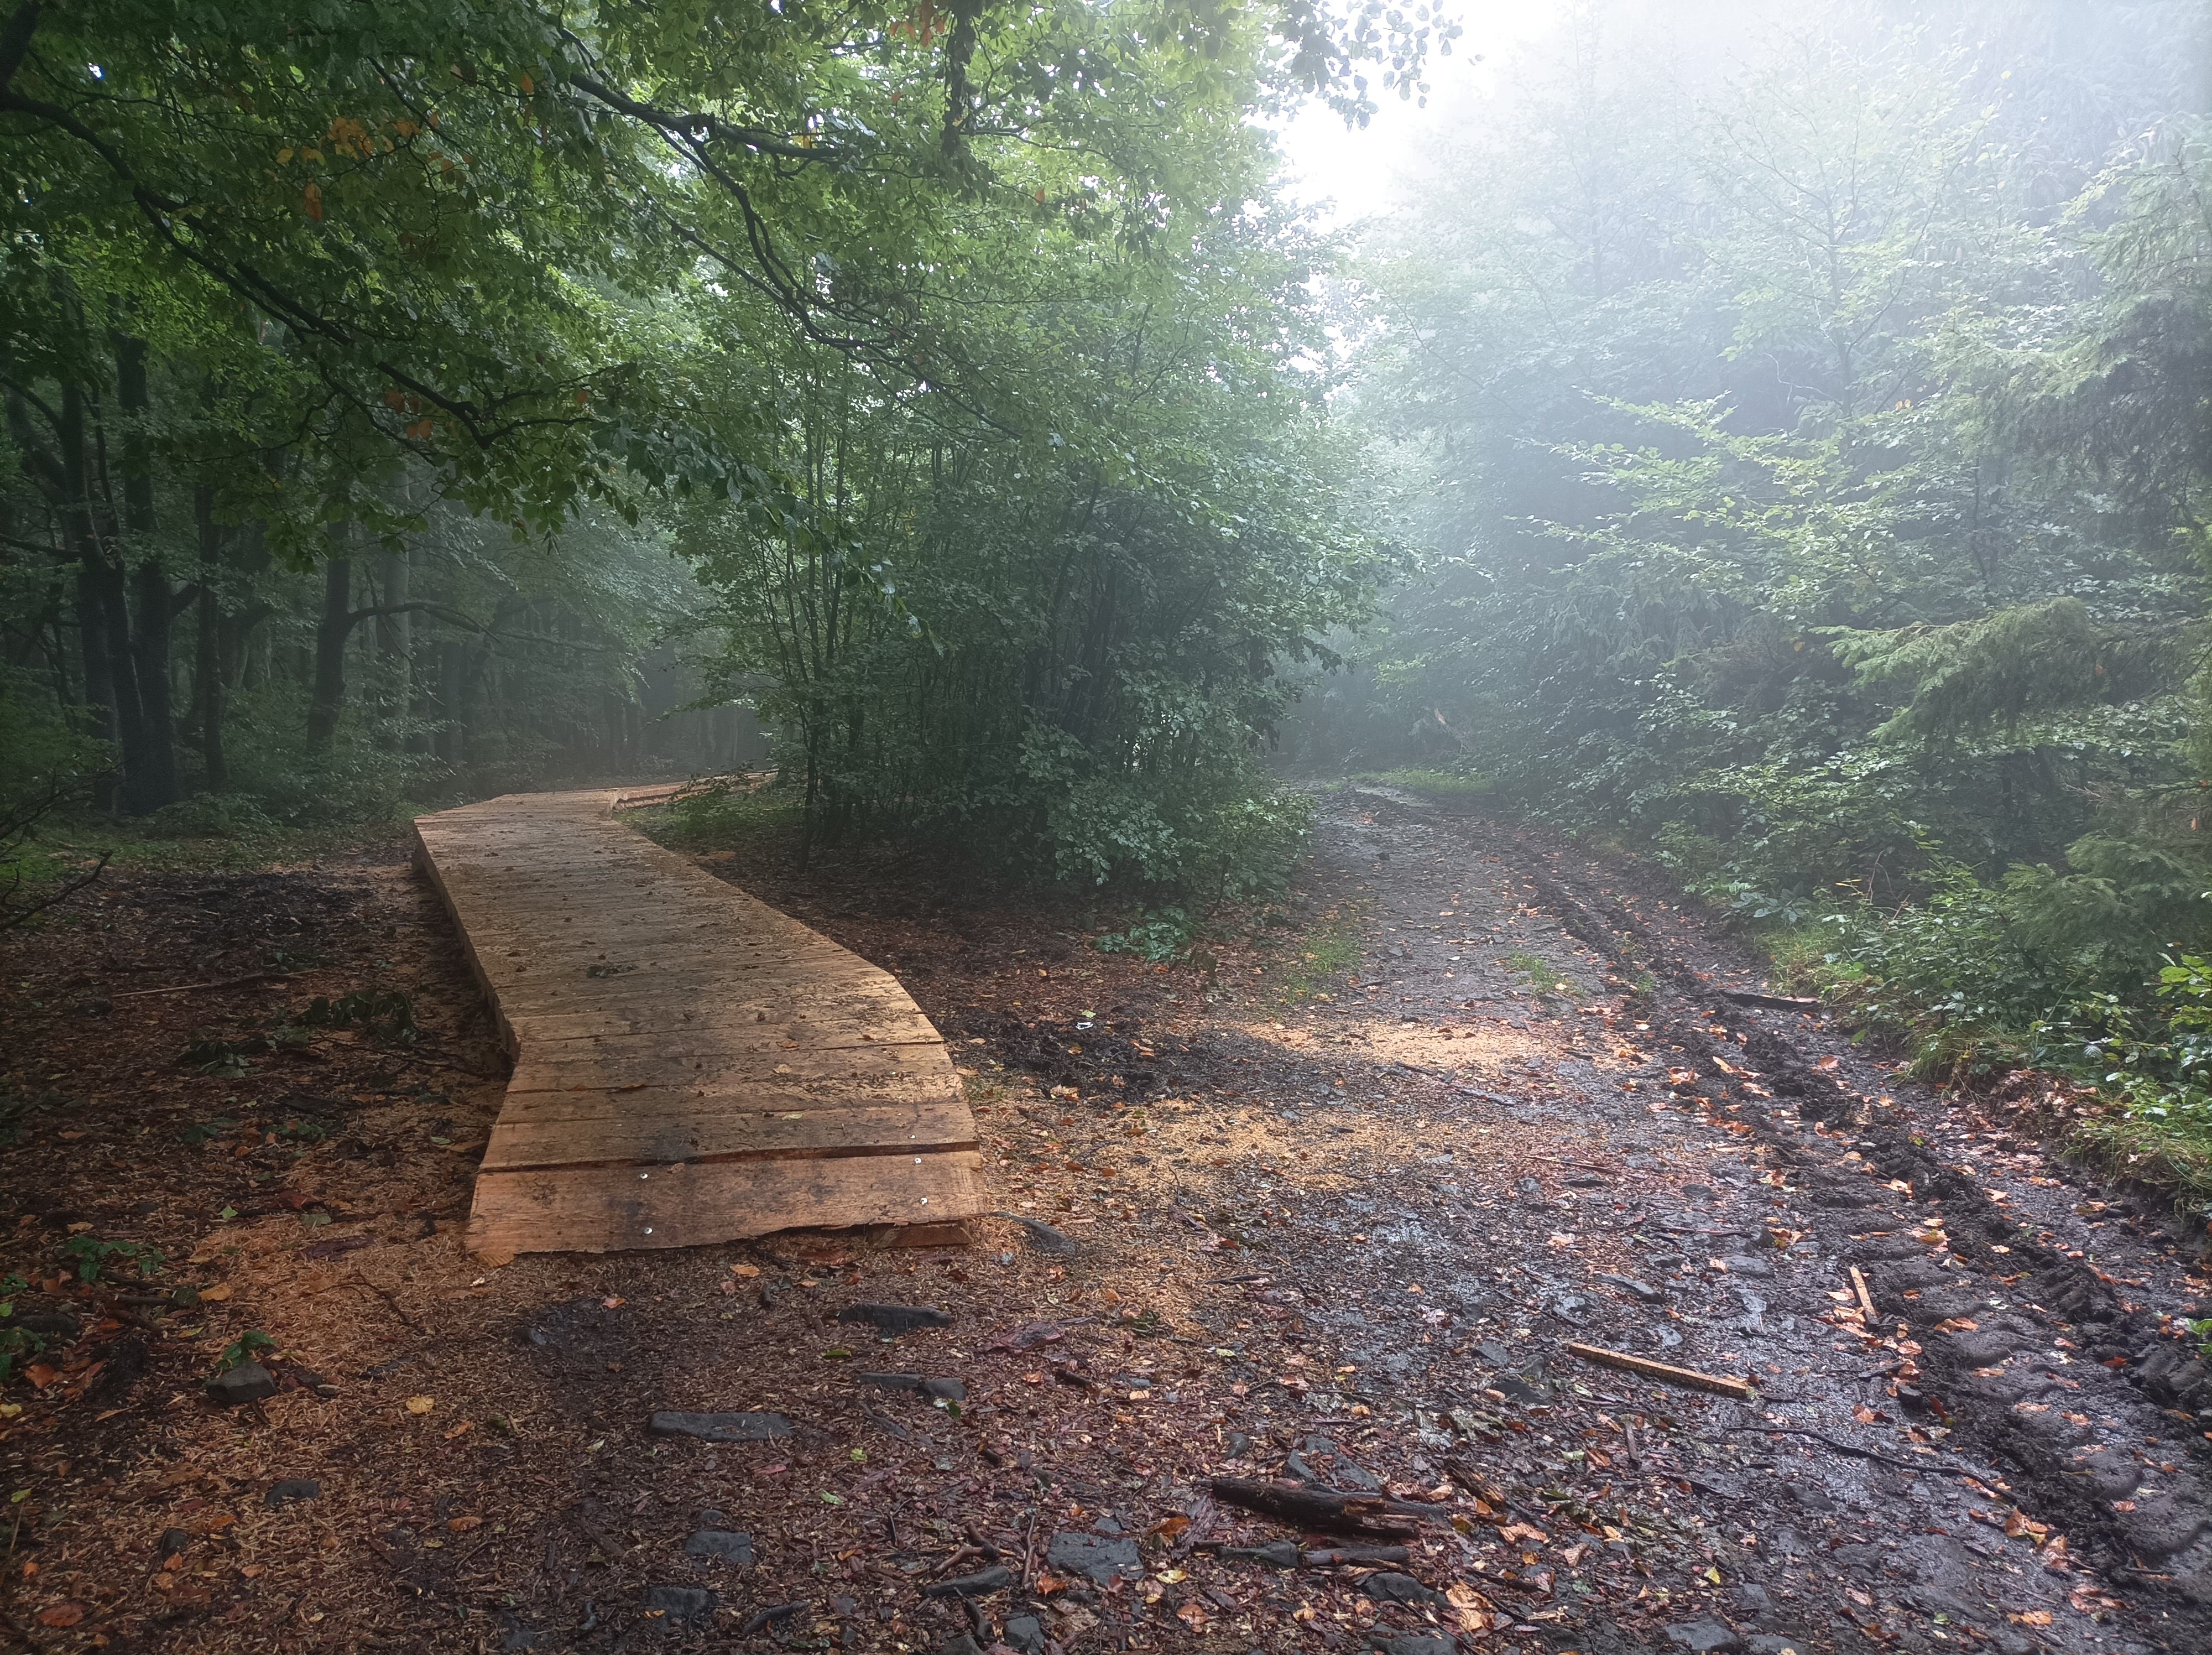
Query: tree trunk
[(209, 651), (395, 643), (150, 775), (331, 634)]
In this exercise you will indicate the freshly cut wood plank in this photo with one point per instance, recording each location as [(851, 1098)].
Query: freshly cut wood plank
[(746, 1074), (595, 1209), (556, 1068)]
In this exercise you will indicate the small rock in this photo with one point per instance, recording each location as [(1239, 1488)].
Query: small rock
[(1239, 1444), (682, 1603), (249, 1382), (722, 1545), (1702, 1638), (708, 1517), (1773, 1643), (1629, 1284), (1046, 1239), (1278, 1553), (721, 1427), (997, 1578), (1415, 1643), (174, 1540), (961, 1644), (1025, 1634), (1744, 1264), (59, 1326), (893, 1319), (1517, 1390), (1400, 1588), (1494, 1354), (292, 1488), (1094, 1557)]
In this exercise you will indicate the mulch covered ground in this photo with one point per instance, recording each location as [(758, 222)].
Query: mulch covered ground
[(1328, 1226)]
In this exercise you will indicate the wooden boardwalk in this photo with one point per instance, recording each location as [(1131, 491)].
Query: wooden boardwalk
[(690, 1066)]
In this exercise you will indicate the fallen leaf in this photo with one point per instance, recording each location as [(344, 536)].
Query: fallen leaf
[(2034, 1617), (217, 1293), (421, 1404), (748, 1271), (40, 1375), (463, 1524), (62, 1615), (495, 1258)]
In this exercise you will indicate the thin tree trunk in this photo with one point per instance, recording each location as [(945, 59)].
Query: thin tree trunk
[(209, 651), (395, 641), (331, 632), (151, 781)]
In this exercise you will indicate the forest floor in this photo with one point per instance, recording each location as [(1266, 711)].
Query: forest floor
[(1330, 1202)]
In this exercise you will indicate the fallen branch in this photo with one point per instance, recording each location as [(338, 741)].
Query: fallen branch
[(1335, 1556), (1367, 1516), (1742, 1390), (1865, 1299), (198, 988)]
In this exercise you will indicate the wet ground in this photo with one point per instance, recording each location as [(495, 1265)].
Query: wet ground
[(1328, 1202)]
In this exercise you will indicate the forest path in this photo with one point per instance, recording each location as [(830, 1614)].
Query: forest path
[(2007, 1450), (690, 1066)]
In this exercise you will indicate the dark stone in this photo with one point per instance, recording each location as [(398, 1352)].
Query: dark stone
[(1745, 1264), (1517, 1390), (1025, 1634), (58, 1326), (721, 1427), (708, 1517), (843, 1607), (722, 1545), (1629, 1284), (1239, 1444), (766, 1616), (1093, 1557), (1702, 1638), (894, 1318), (1415, 1643), (948, 1390), (249, 1382), (1400, 1588), (1046, 1239), (962, 1644), (1774, 1643), (1494, 1354), (997, 1578), (174, 1540), (683, 1604), (292, 1488), (1281, 1554)]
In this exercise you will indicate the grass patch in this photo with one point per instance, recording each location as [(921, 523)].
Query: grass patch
[(1542, 977), (2171, 1155), (1327, 952)]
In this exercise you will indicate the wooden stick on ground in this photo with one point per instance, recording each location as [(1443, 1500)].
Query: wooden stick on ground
[(1865, 1299), (1365, 1515), (197, 988), (1742, 1390)]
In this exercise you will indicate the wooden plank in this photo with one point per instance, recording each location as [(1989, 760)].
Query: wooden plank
[(592, 1210), (748, 1075)]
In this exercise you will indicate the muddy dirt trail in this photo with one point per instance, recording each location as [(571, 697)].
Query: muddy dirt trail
[(1327, 1206)]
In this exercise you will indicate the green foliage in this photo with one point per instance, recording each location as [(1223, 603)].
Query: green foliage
[(248, 1346), (1162, 935), (93, 1256)]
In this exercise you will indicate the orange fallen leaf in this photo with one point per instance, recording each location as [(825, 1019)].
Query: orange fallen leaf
[(40, 1375), (463, 1524), (421, 1404), (62, 1615), (748, 1271), (217, 1293)]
